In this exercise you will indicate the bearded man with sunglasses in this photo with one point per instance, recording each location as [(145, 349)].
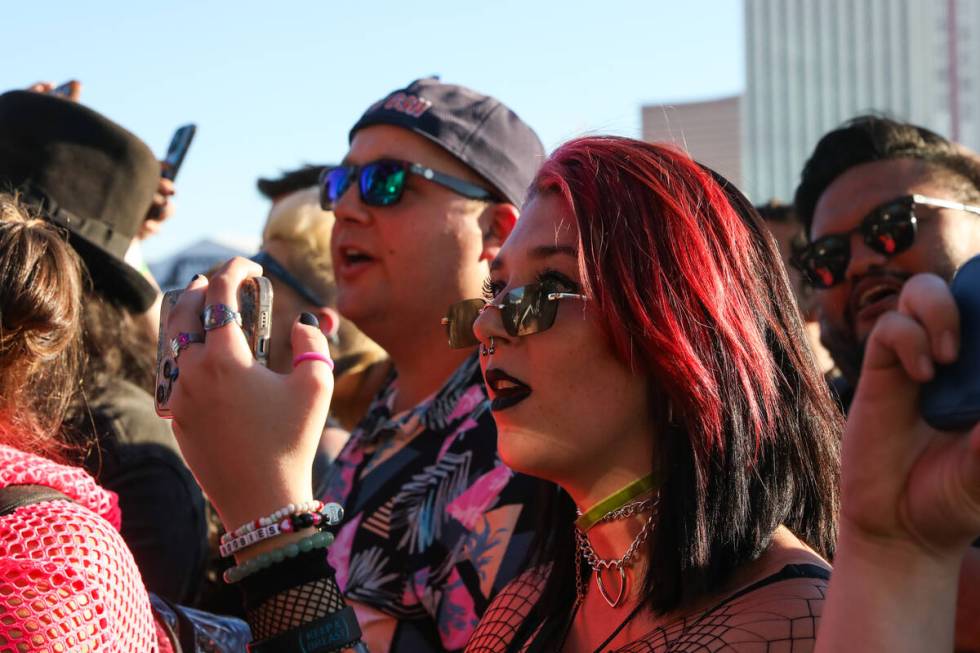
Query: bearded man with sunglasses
[(435, 523), (881, 201)]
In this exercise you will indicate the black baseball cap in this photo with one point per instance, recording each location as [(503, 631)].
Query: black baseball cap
[(477, 129)]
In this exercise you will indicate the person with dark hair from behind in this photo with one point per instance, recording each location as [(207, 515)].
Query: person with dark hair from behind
[(87, 594), (97, 181), (68, 582), (882, 201)]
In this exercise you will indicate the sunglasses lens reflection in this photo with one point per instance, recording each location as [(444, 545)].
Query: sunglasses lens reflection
[(336, 183), (382, 183), (524, 311), (827, 261), (892, 231), (527, 311), (889, 231)]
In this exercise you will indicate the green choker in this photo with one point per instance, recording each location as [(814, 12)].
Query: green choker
[(617, 499)]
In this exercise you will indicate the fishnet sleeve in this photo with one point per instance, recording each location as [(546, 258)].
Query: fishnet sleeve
[(506, 613), (68, 583), (777, 618)]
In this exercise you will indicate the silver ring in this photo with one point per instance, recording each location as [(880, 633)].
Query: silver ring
[(183, 341), (216, 316)]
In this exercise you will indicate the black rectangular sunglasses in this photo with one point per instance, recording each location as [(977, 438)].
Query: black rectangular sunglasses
[(382, 182), (523, 311), (888, 229)]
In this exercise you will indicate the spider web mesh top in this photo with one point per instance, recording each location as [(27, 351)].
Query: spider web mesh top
[(67, 580), (776, 617)]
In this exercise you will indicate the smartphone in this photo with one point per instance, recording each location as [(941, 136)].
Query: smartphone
[(255, 306), (63, 90), (179, 145), (951, 401)]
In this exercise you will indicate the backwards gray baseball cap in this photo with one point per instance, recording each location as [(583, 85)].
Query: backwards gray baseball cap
[(477, 129)]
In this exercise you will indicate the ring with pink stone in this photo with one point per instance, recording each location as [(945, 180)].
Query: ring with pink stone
[(183, 341)]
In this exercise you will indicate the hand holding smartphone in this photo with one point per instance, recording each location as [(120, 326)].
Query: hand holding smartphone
[(951, 401), (66, 90), (255, 307), (179, 144)]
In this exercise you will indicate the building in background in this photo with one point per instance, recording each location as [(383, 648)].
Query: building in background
[(812, 64), (709, 131)]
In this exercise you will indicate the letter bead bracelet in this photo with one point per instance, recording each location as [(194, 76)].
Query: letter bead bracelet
[(289, 519), (274, 518)]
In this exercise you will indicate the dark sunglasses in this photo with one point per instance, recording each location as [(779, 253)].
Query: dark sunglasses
[(889, 229), (525, 310), (382, 182), (276, 269)]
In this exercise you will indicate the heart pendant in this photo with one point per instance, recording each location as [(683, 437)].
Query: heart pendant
[(605, 594)]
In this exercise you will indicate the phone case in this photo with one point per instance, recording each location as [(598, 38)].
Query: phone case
[(255, 306), (165, 359), (951, 401), (177, 150)]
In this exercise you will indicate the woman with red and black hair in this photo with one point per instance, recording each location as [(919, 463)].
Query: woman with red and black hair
[(642, 350)]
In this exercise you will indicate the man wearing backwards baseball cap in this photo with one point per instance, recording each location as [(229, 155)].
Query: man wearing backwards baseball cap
[(435, 523)]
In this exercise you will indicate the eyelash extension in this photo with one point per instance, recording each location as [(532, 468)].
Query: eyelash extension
[(551, 276), (547, 277), (490, 289)]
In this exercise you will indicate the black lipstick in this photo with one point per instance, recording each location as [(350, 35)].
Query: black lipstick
[(506, 390)]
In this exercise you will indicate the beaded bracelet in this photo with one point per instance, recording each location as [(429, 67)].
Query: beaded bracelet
[(248, 539), (255, 524), (319, 540), (291, 524)]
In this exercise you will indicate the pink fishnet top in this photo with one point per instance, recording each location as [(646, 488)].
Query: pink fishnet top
[(67, 580)]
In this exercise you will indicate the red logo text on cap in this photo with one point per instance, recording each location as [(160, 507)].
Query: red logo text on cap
[(406, 103)]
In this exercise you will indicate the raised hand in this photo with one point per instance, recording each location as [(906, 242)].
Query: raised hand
[(248, 434), (904, 481)]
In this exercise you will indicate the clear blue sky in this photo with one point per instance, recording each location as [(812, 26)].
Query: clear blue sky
[(274, 85)]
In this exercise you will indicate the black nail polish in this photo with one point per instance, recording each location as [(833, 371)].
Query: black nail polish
[(309, 319)]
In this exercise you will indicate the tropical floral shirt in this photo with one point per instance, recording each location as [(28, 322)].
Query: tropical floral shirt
[(435, 524)]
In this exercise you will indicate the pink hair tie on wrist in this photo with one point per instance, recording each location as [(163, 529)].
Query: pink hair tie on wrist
[(313, 356)]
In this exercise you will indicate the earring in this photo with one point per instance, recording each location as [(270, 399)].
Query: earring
[(484, 351)]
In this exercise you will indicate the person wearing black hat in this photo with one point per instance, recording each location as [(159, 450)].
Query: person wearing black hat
[(435, 523), (97, 181)]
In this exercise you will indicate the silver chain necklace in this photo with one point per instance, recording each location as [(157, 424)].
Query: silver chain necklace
[(585, 551)]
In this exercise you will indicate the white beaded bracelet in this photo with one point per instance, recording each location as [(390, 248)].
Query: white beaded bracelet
[(248, 539), (274, 518), (330, 514)]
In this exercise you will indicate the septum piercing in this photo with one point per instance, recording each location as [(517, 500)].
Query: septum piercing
[(485, 351)]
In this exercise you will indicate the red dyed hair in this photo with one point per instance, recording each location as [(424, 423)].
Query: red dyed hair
[(691, 292), (672, 272)]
